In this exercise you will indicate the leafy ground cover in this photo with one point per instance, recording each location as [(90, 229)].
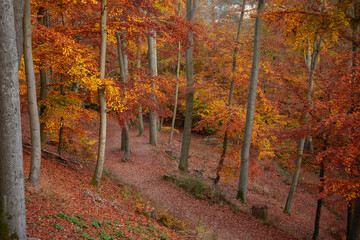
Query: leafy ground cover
[(66, 206)]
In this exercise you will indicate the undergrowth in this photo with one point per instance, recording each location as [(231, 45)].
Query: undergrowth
[(199, 188), (102, 229)]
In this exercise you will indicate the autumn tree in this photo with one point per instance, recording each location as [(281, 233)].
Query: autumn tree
[(12, 199), (34, 174), (101, 94), (185, 147), (244, 171)]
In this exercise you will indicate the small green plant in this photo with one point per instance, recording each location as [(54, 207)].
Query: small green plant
[(76, 230), (119, 233), (96, 223), (62, 215), (27, 199), (57, 226), (87, 236), (104, 235)]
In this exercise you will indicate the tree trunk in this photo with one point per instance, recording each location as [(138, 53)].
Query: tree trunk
[(177, 85), (12, 199), (123, 63), (61, 130), (153, 73), (231, 92), (101, 92), (140, 115), (141, 121), (319, 204), (35, 164), (311, 60), (44, 81), (245, 150), (185, 146)]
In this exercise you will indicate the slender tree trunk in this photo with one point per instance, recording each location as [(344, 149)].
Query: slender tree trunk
[(140, 115), (35, 164), (123, 63), (245, 150), (177, 84), (12, 199), (231, 92), (185, 147), (153, 73), (101, 93), (44, 81), (311, 60), (141, 121), (61, 130), (319, 204), (176, 97), (174, 113)]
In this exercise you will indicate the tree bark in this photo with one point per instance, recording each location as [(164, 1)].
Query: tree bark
[(101, 93), (185, 147), (123, 63), (311, 60), (245, 150), (177, 85), (140, 115), (231, 92), (12, 199), (61, 130), (35, 163), (44, 81), (153, 73)]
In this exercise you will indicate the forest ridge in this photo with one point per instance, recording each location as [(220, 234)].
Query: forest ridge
[(275, 82)]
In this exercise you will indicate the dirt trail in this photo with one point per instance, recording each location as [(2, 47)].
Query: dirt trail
[(144, 172)]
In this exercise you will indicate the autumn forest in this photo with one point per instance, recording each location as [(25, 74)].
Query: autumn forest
[(219, 99)]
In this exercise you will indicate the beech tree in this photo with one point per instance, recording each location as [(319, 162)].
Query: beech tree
[(34, 174), (185, 146), (245, 150), (101, 93), (123, 62), (153, 73), (12, 199)]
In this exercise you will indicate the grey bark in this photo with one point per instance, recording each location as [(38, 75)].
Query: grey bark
[(35, 163), (44, 81), (12, 200), (123, 63), (185, 146), (231, 91), (177, 85), (245, 150), (140, 115), (101, 93), (153, 73), (176, 93), (311, 60), (61, 130)]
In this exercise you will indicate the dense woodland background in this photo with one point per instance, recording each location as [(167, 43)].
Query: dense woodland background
[(273, 84)]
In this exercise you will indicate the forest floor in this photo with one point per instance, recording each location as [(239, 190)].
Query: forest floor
[(65, 203)]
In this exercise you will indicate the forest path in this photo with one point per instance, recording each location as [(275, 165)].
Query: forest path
[(148, 165)]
